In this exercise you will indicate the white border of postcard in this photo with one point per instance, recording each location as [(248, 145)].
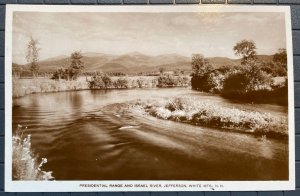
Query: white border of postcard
[(114, 186)]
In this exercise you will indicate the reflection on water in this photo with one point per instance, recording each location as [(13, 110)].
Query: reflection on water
[(85, 136)]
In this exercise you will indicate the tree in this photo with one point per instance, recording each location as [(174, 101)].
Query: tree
[(200, 65), (60, 73), (280, 56), (106, 80), (201, 70), (32, 56), (76, 66), (246, 49), (162, 70), (280, 60), (73, 71)]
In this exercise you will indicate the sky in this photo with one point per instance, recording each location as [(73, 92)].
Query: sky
[(211, 34)]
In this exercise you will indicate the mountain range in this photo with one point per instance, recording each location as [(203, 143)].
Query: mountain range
[(135, 62)]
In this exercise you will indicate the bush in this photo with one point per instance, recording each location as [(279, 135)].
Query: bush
[(174, 104), (167, 80), (140, 82), (200, 82), (216, 82), (235, 84), (60, 74), (100, 81), (120, 83), (211, 81), (253, 84)]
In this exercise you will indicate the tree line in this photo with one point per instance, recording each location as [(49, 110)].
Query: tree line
[(252, 80)]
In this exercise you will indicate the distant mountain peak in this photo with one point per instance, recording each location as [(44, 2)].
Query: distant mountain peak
[(135, 62)]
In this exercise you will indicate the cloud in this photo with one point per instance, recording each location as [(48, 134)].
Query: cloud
[(212, 34)]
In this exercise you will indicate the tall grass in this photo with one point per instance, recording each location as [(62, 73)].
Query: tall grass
[(210, 114), (22, 87), (25, 165)]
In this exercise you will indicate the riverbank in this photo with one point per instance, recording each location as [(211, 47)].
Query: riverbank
[(210, 114), (22, 87)]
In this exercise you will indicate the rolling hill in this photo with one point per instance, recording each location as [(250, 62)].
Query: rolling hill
[(135, 62)]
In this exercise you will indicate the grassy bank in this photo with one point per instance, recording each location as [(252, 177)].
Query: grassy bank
[(22, 87), (210, 114)]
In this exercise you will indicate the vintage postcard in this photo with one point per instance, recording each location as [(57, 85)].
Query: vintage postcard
[(148, 98)]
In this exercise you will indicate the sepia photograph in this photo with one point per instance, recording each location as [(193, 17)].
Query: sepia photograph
[(138, 98)]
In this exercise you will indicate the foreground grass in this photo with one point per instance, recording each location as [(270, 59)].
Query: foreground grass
[(210, 114), (25, 165)]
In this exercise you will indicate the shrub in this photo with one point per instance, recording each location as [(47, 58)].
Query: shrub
[(236, 83), (61, 74), (174, 104), (216, 81), (120, 83), (167, 80), (253, 84), (100, 81), (246, 80), (140, 82), (211, 81), (200, 82)]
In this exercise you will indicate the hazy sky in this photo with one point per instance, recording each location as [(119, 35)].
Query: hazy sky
[(212, 34)]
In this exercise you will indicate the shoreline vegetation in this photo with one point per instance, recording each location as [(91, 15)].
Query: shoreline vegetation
[(22, 87), (254, 80), (208, 114), (25, 164)]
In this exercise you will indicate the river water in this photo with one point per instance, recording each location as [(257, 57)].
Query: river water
[(88, 135)]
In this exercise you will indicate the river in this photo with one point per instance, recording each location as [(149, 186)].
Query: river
[(85, 135)]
